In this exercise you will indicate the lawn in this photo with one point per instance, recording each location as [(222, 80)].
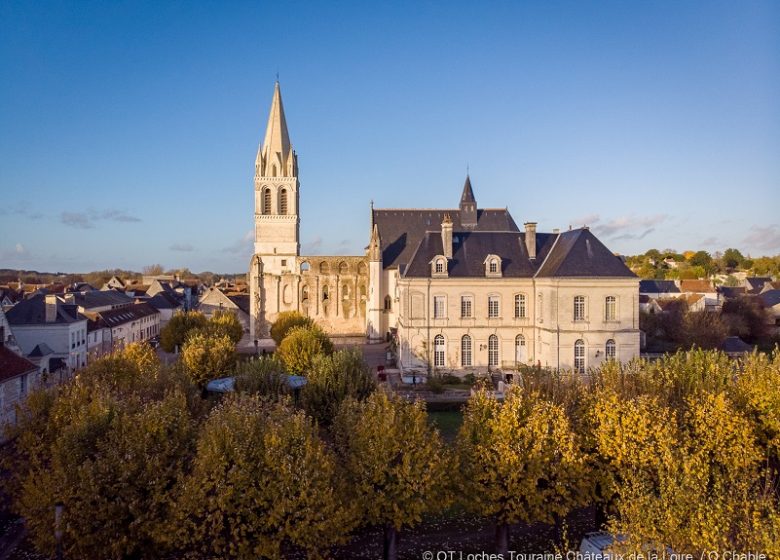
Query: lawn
[(447, 421)]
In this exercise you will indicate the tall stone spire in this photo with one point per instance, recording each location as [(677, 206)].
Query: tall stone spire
[(276, 158), (468, 206)]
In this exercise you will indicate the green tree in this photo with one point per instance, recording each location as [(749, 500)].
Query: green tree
[(175, 333), (397, 466), (208, 357), (226, 322), (263, 376), (732, 258), (301, 346), (331, 380), (285, 321), (519, 461), (261, 478)]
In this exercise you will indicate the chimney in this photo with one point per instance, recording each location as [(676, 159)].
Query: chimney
[(51, 308), (530, 239), (446, 235)]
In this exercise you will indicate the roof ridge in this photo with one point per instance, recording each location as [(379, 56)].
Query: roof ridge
[(547, 256)]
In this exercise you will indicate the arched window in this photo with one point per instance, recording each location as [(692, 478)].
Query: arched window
[(579, 308), (305, 267), (465, 351), (520, 354), (266, 201), (579, 356), (438, 351), (519, 306), (343, 268), (493, 265), (325, 294), (324, 267), (610, 308), (439, 266), (388, 303), (361, 268), (610, 350), (283, 201), (305, 294), (493, 351)]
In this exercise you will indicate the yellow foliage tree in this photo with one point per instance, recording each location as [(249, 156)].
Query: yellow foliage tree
[(396, 463), (520, 461), (301, 346), (261, 479), (208, 357)]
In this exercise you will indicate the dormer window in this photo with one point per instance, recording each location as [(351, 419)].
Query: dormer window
[(493, 266), (439, 266)]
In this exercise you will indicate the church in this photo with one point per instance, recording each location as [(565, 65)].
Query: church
[(458, 289)]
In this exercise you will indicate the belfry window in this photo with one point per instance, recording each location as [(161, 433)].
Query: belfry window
[(266, 201), (283, 201)]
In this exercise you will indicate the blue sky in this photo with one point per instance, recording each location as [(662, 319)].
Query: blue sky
[(128, 130)]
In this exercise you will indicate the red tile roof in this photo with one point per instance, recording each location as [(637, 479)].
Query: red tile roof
[(12, 364)]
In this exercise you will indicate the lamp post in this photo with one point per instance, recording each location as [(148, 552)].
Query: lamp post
[(58, 507)]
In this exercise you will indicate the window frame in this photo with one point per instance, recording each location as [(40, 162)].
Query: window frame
[(494, 300), (466, 351), (610, 349), (579, 356), (494, 356), (610, 308), (439, 351), (464, 299), (579, 308), (439, 306), (521, 306)]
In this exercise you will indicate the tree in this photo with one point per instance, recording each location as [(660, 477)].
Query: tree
[(285, 321), (263, 376), (261, 478), (226, 322), (153, 270), (143, 357), (109, 454), (174, 334), (520, 461), (732, 258), (746, 318), (301, 346), (396, 464), (331, 380), (208, 357)]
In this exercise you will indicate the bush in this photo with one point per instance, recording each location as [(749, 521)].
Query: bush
[(178, 328), (331, 380), (300, 347), (206, 357), (286, 321), (263, 376)]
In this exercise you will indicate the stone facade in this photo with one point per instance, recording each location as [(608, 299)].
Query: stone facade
[(459, 289)]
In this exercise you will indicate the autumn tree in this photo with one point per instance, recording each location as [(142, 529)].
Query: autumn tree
[(208, 357), (519, 461), (261, 480), (702, 259), (175, 333), (153, 270), (285, 321), (397, 466), (263, 376), (332, 379), (227, 323), (301, 346), (110, 451)]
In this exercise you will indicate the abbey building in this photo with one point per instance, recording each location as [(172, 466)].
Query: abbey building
[(462, 288)]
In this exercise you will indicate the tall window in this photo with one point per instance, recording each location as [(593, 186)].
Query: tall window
[(493, 265), (283, 201), (493, 351), (438, 351), (610, 349), (520, 355), (610, 308), (266, 201), (520, 306), (388, 303), (465, 351), (540, 307), (579, 356), (579, 308), (493, 306), (466, 307), (439, 307), (439, 266)]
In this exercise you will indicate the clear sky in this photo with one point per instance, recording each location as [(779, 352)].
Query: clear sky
[(128, 130)]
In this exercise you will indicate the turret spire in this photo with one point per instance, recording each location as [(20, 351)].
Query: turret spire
[(468, 205), (276, 158)]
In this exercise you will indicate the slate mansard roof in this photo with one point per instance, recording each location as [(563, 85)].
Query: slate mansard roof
[(90, 300), (401, 230), (658, 287)]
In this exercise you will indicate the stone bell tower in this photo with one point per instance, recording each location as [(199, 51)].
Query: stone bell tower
[(276, 223)]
